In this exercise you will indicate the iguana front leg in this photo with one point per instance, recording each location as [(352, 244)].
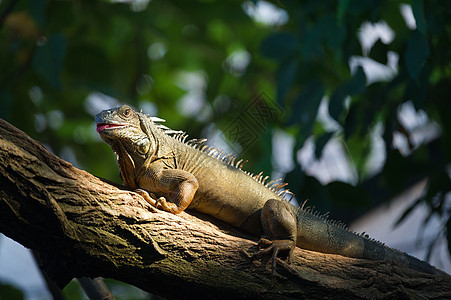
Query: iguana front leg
[(178, 185)]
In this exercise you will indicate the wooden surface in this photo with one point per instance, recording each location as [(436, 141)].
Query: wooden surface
[(82, 226)]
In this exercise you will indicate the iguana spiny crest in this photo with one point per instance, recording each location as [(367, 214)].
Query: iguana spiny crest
[(128, 136)]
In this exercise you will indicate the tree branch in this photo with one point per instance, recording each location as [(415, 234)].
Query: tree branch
[(81, 226)]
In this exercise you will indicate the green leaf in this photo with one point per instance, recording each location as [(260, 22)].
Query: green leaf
[(347, 195), (48, 60), (264, 162), (379, 52), (416, 54), (6, 101), (312, 38), (448, 234), (417, 90), (10, 292), (333, 32), (391, 14), (418, 13), (309, 188), (280, 46), (358, 82), (73, 291), (408, 211), (38, 9), (305, 107), (285, 77), (321, 142), (295, 179), (355, 85), (438, 184), (341, 10)]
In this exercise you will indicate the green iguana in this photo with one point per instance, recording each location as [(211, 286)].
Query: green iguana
[(190, 175)]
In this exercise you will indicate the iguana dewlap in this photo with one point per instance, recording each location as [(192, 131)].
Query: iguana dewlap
[(189, 175)]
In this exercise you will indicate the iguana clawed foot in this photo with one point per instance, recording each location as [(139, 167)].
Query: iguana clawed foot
[(165, 205), (159, 202), (276, 246), (150, 198)]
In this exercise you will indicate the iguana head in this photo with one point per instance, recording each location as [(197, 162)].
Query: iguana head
[(122, 125), (124, 130)]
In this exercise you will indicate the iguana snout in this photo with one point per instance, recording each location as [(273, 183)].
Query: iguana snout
[(116, 117)]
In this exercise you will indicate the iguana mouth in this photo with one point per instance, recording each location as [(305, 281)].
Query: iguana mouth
[(102, 126)]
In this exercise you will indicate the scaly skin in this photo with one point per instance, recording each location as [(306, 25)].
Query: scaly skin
[(187, 175)]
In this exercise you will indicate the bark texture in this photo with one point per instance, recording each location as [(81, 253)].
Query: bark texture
[(81, 226)]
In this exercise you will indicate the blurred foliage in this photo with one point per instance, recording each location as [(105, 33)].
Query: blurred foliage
[(120, 290), (73, 291), (63, 61), (9, 292), (123, 291), (314, 52)]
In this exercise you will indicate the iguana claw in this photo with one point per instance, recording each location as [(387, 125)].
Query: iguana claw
[(276, 246), (159, 202), (150, 198)]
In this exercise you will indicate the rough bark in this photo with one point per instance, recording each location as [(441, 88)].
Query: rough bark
[(81, 226)]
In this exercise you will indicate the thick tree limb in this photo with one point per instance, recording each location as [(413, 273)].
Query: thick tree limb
[(82, 226)]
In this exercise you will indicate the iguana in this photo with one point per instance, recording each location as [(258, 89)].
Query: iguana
[(190, 175)]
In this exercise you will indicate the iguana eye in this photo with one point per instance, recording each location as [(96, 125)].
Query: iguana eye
[(126, 112), (142, 146)]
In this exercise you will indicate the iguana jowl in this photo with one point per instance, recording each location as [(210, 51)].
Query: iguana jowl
[(188, 175)]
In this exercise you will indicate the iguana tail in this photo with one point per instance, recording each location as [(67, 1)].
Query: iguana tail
[(319, 234)]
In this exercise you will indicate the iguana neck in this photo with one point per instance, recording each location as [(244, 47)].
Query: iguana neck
[(126, 165), (161, 150)]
